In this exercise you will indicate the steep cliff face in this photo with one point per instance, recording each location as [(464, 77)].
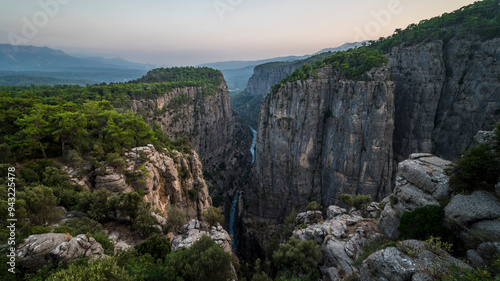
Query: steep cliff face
[(321, 137), (206, 118), (445, 93), (266, 75)]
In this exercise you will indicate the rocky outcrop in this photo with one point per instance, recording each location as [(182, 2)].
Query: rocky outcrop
[(165, 177), (445, 93), (408, 260), (51, 248), (420, 181), (342, 238), (322, 137), (195, 229)]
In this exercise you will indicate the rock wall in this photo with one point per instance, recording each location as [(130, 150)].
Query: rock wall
[(321, 137), (445, 93)]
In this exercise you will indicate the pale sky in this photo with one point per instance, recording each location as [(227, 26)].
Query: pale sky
[(199, 31)]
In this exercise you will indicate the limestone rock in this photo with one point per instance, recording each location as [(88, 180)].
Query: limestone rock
[(409, 260), (41, 249), (480, 205), (486, 137), (342, 239), (309, 217), (330, 133), (420, 181), (194, 230), (164, 185), (334, 211), (113, 181)]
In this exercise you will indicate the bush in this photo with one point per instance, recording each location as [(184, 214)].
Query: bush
[(41, 205), (289, 224), (212, 215), (40, 229), (193, 194), (158, 247), (77, 226), (175, 218), (424, 222), (135, 264), (477, 169), (107, 245), (298, 258), (106, 269), (359, 201), (484, 273), (313, 206)]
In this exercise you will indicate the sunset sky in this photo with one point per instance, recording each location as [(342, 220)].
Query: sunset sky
[(192, 32)]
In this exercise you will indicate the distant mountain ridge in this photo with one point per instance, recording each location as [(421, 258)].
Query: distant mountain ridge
[(25, 65), (32, 58)]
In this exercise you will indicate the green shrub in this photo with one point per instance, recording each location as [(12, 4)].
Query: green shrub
[(485, 273), (424, 222), (175, 218), (40, 204), (138, 266), (313, 206), (193, 194), (29, 175), (298, 258), (359, 201), (289, 224), (477, 169), (65, 229), (52, 176), (75, 226), (107, 245), (158, 247), (106, 269), (73, 158), (212, 215), (40, 229)]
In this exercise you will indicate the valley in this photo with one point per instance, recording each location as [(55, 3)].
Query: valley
[(371, 161)]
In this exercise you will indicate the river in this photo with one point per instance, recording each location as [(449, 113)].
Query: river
[(235, 200)]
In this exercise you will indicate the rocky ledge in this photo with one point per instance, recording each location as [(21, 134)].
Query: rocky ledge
[(51, 248)]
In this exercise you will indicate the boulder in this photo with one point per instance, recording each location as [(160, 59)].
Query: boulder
[(50, 248), (113, 181), (194, 230), (409, 260), (465, 209), (342, 238), (334, 211), (420, 181), (309, 217), (486, 137)]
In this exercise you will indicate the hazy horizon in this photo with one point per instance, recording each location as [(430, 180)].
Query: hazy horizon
[(197, 32)]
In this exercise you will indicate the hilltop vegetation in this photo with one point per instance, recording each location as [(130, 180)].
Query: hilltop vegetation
[(480, 20), (154, 84)]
